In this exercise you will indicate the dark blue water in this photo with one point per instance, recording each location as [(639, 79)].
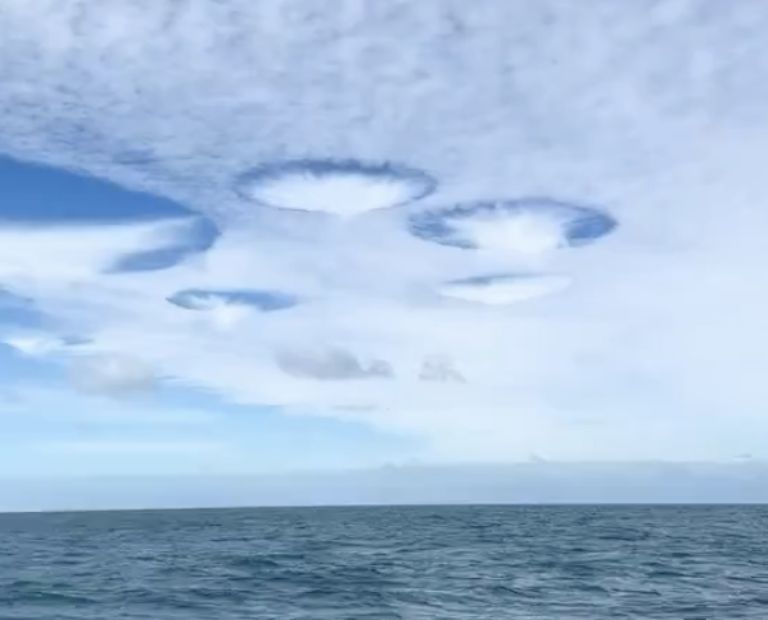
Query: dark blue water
[(380, 563)]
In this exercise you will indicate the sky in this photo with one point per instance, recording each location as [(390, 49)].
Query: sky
[(242, 237)]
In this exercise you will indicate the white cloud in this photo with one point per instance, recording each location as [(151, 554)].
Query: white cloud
[(65, 255), (34, 344), (526, 234), (114, 374), (657, 348)]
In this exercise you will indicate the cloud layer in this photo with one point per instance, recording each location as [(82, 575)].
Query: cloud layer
[(650, 111)]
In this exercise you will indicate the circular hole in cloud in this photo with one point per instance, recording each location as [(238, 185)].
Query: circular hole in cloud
[(504, 289), (526, 226), (210, 300), (344, 188), (185, 238)]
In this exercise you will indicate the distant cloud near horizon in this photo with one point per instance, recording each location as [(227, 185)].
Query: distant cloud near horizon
[(512, 484)]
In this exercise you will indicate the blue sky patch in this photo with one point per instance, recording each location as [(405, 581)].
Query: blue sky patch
[(33, 193), (18, 311)]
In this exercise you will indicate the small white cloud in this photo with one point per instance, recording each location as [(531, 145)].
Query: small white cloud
[(35, 345), (111, 375), (506, 289)]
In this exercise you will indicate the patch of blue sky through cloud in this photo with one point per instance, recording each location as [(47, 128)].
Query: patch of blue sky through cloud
[(36, 194), (18, 368), (18, 311)]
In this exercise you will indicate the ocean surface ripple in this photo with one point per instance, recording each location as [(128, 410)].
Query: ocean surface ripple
[(381, 563)]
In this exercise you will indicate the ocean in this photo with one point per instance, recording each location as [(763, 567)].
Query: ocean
[(381, 563)]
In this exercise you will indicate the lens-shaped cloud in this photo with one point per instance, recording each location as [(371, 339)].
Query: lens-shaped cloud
[(527, 226), (504, 289), (204, 299), (344, 188)]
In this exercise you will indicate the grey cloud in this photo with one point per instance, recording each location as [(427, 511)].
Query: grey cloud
[(331, 365), (441, 369)]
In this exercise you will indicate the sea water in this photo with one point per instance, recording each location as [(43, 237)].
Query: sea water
[(376, 563)]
